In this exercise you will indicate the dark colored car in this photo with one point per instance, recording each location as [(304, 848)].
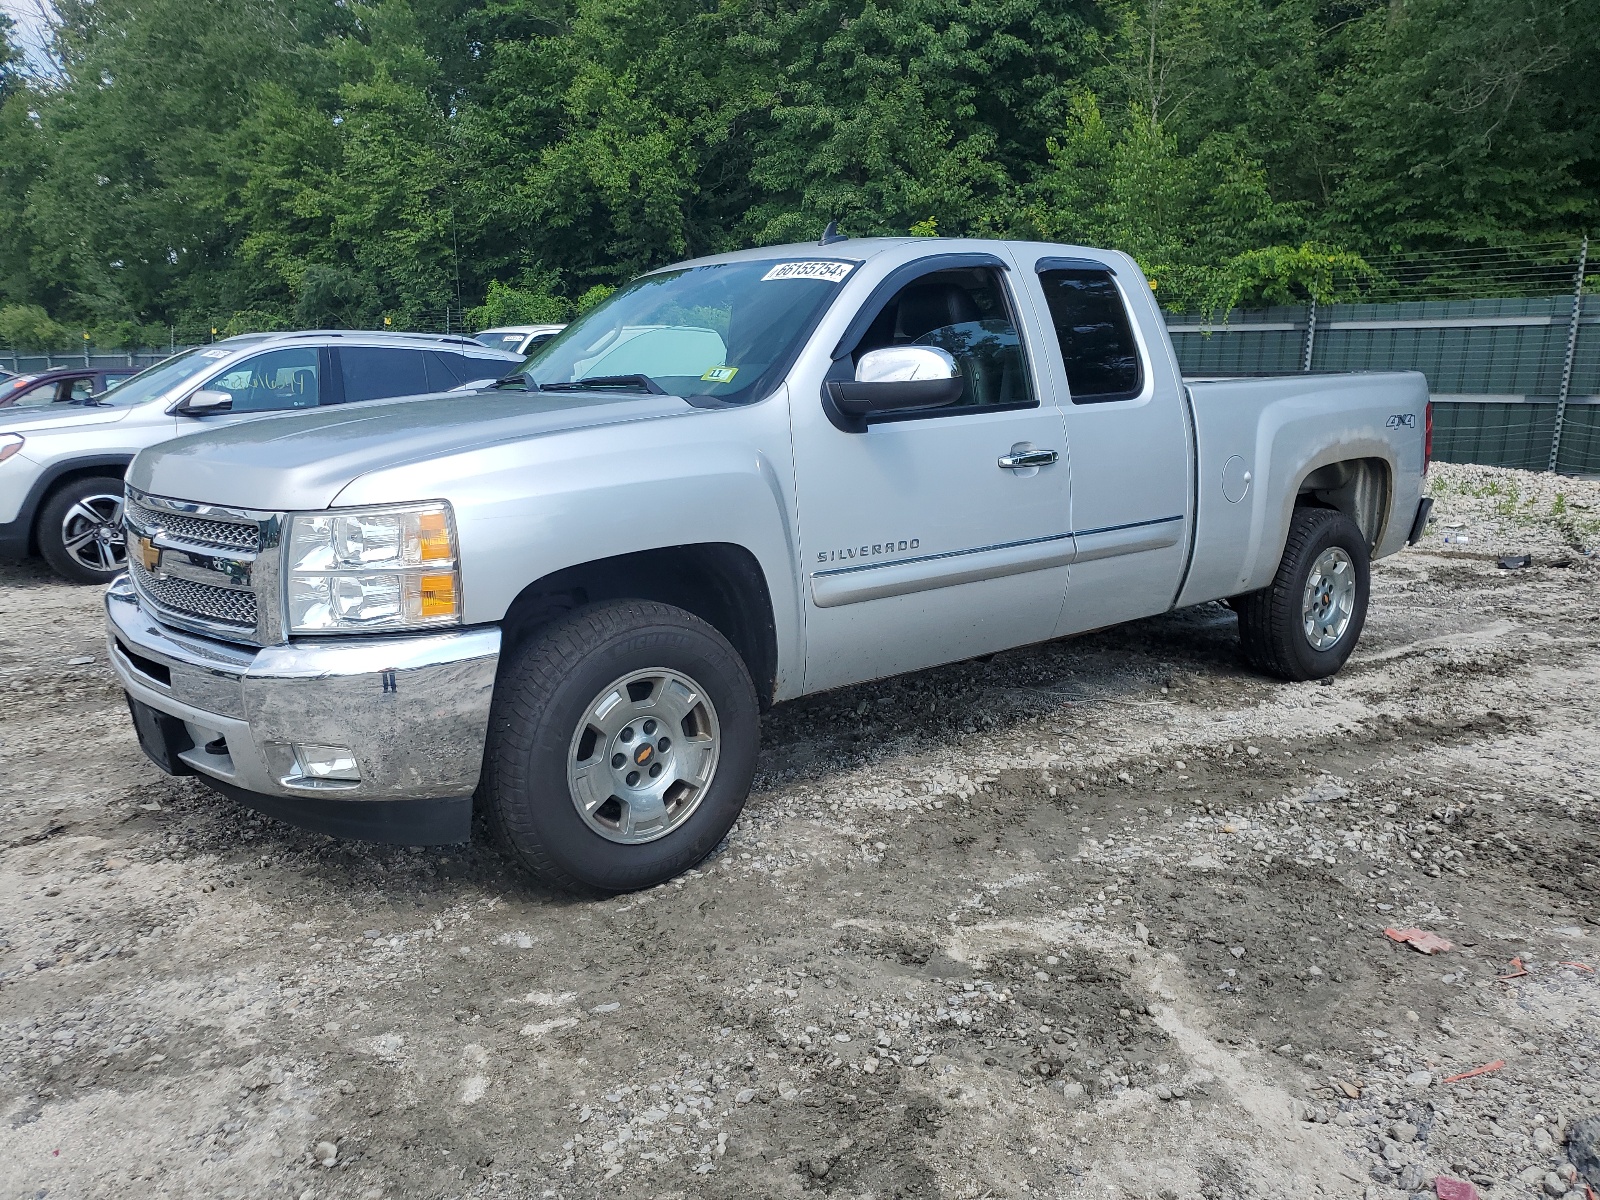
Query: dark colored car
[(60, 385)]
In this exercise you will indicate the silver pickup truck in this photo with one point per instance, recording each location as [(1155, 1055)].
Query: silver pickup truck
[(742, 479)]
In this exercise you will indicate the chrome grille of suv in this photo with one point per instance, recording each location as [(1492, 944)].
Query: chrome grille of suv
[(197, 531), (185, 597)]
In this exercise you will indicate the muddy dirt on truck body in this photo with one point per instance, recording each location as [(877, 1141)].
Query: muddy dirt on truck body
[(1103, 917)]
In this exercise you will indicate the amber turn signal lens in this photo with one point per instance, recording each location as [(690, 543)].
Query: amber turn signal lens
[(438, 595), (434, 537)]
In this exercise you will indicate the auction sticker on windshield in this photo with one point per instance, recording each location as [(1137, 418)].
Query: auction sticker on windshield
[(831, 272)]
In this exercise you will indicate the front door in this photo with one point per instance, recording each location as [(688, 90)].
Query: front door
[(924, 539)]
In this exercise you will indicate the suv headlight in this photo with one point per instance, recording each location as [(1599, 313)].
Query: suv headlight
[(373, 568)]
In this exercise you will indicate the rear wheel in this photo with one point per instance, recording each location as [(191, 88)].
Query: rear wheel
[(622, 742), (1306, 623), (80, 530)]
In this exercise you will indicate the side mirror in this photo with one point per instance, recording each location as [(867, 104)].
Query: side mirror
[(206, 401), (897, 378)]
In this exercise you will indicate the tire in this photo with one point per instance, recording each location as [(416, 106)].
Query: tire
[(1273, 629), (79, 530), (552, 739)]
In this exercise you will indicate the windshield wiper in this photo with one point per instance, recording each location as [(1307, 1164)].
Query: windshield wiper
[(643, 382), (513, 381)]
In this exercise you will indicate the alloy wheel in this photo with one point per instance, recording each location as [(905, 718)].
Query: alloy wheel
[(643, 755)]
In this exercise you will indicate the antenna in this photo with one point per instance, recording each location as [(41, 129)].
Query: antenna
[(831, 234)]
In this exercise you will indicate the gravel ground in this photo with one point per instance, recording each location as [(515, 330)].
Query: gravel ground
[(1103, 917)]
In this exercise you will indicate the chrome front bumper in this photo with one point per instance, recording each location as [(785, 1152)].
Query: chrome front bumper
[(414, 710)]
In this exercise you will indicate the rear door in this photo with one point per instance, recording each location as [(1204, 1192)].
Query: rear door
[(920, 544), (381, 372), (1128, 437)]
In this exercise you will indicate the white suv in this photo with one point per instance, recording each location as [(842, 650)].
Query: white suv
[(61, 466), (518, 339)]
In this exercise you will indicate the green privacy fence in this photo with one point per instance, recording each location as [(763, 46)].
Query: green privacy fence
[(1504, 372)]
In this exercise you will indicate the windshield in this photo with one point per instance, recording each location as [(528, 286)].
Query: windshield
[(724, 331), (153, 381), (502, 341)]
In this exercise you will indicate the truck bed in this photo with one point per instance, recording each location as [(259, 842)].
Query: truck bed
[(1263, 444)]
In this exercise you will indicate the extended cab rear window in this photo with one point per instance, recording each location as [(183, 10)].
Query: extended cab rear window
[(1094, 334)]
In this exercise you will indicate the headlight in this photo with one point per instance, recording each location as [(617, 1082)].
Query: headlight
[(10, 443), (374, 568)]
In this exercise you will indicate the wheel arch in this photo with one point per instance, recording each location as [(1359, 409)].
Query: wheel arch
[(1361, 488), (720, 582), (59, 476)]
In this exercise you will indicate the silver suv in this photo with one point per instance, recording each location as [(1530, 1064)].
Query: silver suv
[(61, 466)]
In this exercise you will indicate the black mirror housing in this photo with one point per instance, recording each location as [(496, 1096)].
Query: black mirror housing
[(858, 399)]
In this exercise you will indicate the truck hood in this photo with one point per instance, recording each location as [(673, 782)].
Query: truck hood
[(58, 416), (303, 460)]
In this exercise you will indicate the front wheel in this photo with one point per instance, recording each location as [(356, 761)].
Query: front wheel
[(1305, 624), (622, 742), (80, 530)]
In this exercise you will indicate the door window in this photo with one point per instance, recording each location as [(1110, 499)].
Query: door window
[(447, 369), (1094, 333), (379, 373), (40, 393), (274, 381), (965, 312)]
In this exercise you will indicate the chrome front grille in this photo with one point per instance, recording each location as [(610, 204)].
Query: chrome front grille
[(197, 531), (206, 568), (202, 601)]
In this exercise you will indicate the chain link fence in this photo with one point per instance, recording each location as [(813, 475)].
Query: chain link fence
[(1515, 374)]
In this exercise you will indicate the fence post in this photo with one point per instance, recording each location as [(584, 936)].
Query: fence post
[(1572, 350), (1311, 336)]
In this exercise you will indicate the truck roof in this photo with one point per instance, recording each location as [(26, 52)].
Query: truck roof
[(859, 250), (365, 336)]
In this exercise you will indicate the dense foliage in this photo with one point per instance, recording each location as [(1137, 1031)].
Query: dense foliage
[(259, 163)]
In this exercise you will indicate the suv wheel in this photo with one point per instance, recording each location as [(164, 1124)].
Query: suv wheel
[(622, 742), (1305, 624), (80, 530)]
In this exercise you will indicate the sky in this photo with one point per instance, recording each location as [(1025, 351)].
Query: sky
[(30, 31)]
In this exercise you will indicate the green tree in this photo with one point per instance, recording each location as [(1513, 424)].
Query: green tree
[(21, 163), (1467, 121), (507, 305), (29, 327), (333, 161)]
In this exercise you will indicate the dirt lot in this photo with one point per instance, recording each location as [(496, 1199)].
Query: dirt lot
[(1100, 918)]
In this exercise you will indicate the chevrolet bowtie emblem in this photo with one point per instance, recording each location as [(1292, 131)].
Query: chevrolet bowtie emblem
[(149, 555)]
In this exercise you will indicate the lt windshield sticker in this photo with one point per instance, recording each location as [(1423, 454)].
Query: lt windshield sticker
[(215, 353), (720, 374), (829, 272)]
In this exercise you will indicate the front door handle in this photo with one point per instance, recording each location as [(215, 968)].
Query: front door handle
[(1028, 458)]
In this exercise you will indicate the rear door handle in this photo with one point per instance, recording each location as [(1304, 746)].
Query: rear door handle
[(1028, 458)]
